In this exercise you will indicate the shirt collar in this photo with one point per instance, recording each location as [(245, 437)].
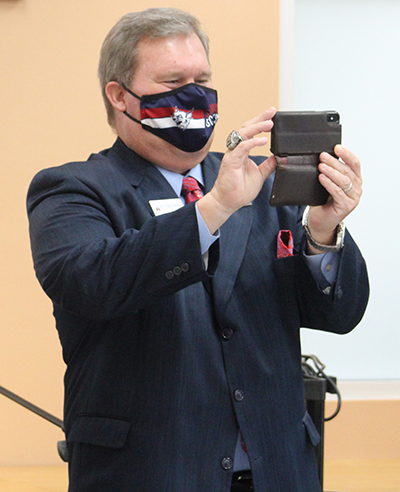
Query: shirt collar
[(175, 179)]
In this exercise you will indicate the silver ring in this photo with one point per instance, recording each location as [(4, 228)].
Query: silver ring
[(233, 140), (346, 190)]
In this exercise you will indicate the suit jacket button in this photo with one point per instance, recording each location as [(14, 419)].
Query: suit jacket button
[(227, 333), (227, 463), (177, 270), (170, 274), (239, 395), (185, 267)]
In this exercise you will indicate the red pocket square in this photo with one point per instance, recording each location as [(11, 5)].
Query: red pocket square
[(284, 244)]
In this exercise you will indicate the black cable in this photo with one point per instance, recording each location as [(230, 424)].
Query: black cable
[(309, 371)]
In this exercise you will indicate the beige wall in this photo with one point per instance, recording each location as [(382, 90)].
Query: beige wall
[(363, 430), (52, 112)]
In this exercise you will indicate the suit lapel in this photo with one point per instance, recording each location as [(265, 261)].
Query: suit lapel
[(210, 168), (147, 180), (154, 187), (233, 242), (234, 235)]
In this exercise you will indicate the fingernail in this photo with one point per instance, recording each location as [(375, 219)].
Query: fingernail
[(338, 148)]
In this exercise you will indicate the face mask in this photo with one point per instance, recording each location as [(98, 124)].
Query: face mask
[(184, 117)]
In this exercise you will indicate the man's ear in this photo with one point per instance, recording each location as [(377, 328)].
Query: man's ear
[(116, 95)]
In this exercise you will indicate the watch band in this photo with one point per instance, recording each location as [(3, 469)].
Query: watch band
[(323, 247)]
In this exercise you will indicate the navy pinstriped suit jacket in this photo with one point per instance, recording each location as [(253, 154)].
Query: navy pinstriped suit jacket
[(163, 367)]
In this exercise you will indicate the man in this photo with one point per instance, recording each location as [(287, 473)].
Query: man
[(179, 325)]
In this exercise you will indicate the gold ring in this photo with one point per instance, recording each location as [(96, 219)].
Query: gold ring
[(346, 190)]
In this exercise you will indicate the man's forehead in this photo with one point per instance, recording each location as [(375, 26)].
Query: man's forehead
[(174, 55), (161, 45)]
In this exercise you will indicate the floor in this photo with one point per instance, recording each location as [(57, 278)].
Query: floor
[(340, 476)]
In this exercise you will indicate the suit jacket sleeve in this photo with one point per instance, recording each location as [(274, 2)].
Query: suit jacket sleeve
[(343, 308), (97, 260)]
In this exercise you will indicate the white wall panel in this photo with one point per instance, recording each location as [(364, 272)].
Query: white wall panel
[(345, 55)]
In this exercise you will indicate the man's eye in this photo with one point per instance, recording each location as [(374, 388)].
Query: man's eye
[(205, 82)]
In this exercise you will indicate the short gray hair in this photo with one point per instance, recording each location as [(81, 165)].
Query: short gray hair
[(118, 56)]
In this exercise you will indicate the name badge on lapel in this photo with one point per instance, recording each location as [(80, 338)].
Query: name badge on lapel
[(161, 207)]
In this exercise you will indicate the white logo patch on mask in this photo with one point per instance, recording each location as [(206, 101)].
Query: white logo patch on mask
[(182, 118)]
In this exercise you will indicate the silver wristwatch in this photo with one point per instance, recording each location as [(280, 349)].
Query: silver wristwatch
[(323, 247)]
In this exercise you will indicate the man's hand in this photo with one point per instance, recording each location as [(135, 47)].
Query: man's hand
[(342, 178), (240, 179)]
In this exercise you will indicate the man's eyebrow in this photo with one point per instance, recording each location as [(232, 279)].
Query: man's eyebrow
[(180, 73), (206, 73)]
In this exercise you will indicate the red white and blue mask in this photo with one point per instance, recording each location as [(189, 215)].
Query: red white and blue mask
[(185, 117)]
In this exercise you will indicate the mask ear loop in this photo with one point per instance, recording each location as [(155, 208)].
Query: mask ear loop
[(128, 90), (132, 118), (134, 95)]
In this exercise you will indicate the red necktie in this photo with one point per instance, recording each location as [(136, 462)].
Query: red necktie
[(191, 190)]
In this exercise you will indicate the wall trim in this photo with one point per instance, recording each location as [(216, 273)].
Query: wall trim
[(368, 390)]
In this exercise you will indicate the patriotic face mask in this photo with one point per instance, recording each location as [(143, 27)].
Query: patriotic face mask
[(184, 117)]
